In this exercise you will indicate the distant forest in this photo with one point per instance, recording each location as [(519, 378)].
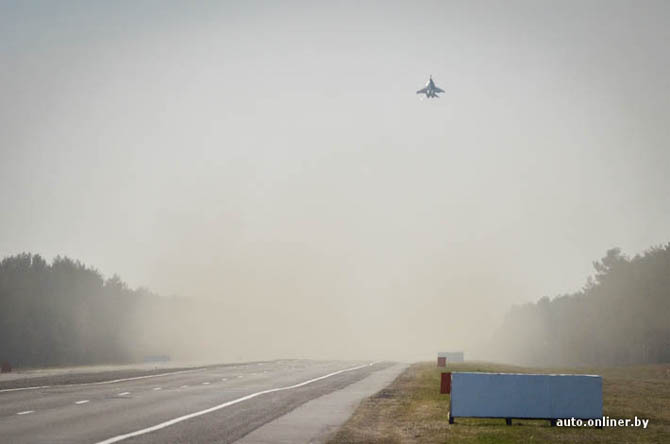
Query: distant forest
[(620, 317), (65, 313)]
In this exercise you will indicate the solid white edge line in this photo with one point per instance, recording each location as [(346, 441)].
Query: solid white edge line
[(25, 388), (27, 412), (113, 381), (162, 425)]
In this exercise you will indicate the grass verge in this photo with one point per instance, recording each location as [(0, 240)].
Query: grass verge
[(411, 410)]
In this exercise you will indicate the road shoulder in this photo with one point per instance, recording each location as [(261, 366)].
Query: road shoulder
[(318, 420)]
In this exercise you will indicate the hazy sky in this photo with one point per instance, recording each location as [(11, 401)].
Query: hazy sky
[(274, 154)]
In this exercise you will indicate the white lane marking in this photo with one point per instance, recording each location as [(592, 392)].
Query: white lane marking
[(124, 394), (83, 401), (205, 383), (224, 379), (27, 412), (240, 376), (162, 425), (113, 381), (25, 388), (157, 388), (183, 386)]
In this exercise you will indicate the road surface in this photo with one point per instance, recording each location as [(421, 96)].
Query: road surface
[(215, 404)]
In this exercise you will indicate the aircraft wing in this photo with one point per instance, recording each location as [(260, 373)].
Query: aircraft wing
[(422, 91), (438, 90)]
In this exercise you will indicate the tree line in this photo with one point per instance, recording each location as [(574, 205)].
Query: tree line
[(64, 313), (620, 317)]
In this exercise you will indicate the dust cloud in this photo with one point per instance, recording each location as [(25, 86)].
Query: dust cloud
[(269, 170)]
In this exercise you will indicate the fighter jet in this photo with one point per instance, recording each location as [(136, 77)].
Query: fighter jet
[(430, 90)]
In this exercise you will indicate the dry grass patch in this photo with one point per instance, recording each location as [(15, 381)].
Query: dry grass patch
[(411, 410)]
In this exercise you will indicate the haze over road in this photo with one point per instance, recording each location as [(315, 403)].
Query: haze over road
[(214, 404)]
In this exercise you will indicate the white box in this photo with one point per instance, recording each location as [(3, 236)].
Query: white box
[(452, 356)]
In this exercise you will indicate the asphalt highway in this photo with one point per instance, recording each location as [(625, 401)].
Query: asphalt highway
[(219, 404)]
